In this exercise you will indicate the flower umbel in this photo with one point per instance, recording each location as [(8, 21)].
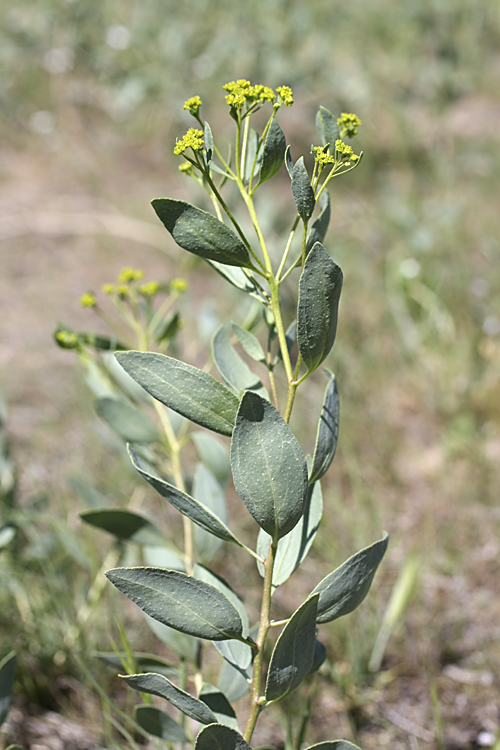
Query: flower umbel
[(321, 156), (286, 95), (348, 124), (193, 139), (345, 152), (130, 274), (88, 300), (193, 105)]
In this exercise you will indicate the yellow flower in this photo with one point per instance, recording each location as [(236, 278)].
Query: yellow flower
[(343, 151), (348, 124), (193, 105), (193, 139), (187, 169), (108, 288), (130, 274), (149, 289), (286, 95), (122, 291), (321, 157), (88, 300), (67, 339), (262, 93), (178, 285)]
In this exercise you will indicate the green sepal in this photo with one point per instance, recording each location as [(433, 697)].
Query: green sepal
[(269, 468), (187, 505), (273, 153), (303, 193), (345, 588), (124, 525), (318, 229), (231, 366), (326, 125), (328, 431), (293, 654), (218, 703), (250, 344), (160, 724), (293, 548), (7, 679), (220, 737), (131, 424), (179, 601), (185, 389), (201, 233), (209, 142), (157, 684), (317, 311)]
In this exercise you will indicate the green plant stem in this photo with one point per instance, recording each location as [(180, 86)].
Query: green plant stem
[(264, 625)]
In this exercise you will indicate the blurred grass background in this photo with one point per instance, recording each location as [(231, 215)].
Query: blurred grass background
[(91, 97)]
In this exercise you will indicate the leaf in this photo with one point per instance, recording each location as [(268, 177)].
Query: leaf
[(219, 704), (179, 601), (159, 724), (208, 491), (209, 142), (156, 684), (319, 293), (187, 505), (201, 233), (124, 524), (232, 681), (7, 679), (319, 227), (328, 431), (293, 654), (163, 557), (269, 468), (319, 656), (233, 369), (219, 737), (250, 343), (335, 745), (303, 193), (273, 153), (7, 534), (184, 388), (169, 327), (180, 643), (293, 548), (239, 279), (252, 148), (214, 454), (145, 662), (326, 125), (345, 588), (202, 573), (289, 161), (128, 422)]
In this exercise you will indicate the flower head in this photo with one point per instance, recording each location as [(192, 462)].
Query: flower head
[(108, 288), (178, 285), (321, 156), (286, 95), (348, 124), (88, 300), (187, 169), (343, 151), (149, 289), (193, 105), (67, 339), (239, 92), (193, 139), (130, 274)]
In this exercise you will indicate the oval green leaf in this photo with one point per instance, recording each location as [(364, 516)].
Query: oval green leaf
[(214, 453), (328, 431), (124, 524), (184, 388), (179, 601), (233, 682), (319, 227), (233, 369), (180, 643), (250, 344), (326, 125), (303, 193), (334, 745), (317, 312), (345, 588), (159, 724), (201, 233), (269, 468), (239, 279), (273, 153), (293, 654), (219, 737), (129, 423), (157, 684), (210, 493), (219, 704)]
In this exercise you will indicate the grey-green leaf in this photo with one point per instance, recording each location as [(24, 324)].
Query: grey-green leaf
[(328, 431), (303, 193), (201, 233), (319, 227), (180, 643), (193, 509), (209, 142), (273, 153), (293, 654), (219, 737), (157, 684), (289, 161), (219, 704), (293, 548), (250, 343), (345, 588), (179, 601), (214, 453), (326, 125), (144, 661), (269, 468), (239, 279), (129, 423), (7, 679), (317, 312), (232, 681), (159, 724), (124, 524), (233, 369), (184, 388), (202, 573), (335, 745), (252, 148), (210, 493)]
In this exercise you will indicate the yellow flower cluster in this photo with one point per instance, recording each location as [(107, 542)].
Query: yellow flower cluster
[(193, 105), (187, 169), (130, 274), (286, 95), (67, 339), (88, 300), (178, 285), (321, 157), (149, 289), (344, 151), (193, 139), (348, 124)]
